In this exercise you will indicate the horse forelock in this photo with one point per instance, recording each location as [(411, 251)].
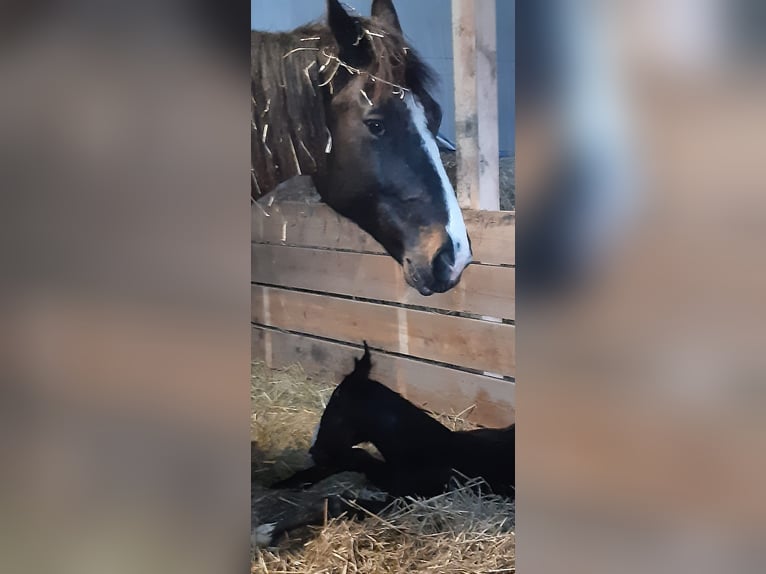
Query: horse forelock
[(395, 68), (392, 66)]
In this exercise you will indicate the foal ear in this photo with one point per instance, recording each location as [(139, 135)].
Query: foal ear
[(348, 33), (364, 365), (384, 12)]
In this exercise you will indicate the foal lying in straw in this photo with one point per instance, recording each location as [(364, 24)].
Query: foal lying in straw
[(420, 455)]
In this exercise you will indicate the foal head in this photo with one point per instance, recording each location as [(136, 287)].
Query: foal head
[(339, 428), (361, 409)]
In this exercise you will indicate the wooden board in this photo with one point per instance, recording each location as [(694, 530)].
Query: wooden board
[(469, 343), (492, 233), (474, 44), (493, 236), (490, 402), (483, 290)]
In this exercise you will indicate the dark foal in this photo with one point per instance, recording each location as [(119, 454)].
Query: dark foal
[(421, 454)]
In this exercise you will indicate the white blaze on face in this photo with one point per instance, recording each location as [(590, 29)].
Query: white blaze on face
[(455, 224)]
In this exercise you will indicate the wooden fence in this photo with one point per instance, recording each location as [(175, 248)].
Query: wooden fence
[(320, 286)]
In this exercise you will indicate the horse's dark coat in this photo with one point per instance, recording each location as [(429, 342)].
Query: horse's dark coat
[(420, 453)]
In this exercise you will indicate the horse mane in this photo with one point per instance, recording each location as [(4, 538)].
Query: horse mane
[(291, 75)]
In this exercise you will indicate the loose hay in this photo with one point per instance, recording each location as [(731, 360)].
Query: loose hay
[(459, 532), (286, 408)]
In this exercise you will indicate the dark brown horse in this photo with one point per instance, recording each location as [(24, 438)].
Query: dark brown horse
[(347, 102)]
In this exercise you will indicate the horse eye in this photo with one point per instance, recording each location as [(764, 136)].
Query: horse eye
[(376, 127)]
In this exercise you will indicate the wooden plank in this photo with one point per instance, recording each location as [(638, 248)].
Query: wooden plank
[(309, 225), (493, 236), (596, 440), (485, 400), (486, 106), (474, 42), (483, 290), (469, 343), (492, 233), (466, 117)]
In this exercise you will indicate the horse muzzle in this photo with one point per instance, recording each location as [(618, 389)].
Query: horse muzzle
[(435, 275)]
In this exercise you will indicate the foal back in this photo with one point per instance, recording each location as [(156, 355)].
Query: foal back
[(488, 453), (401, 431)]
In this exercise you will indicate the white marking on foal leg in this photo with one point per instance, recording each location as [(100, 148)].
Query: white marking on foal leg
[(316, 434), (261, 535), (455, 224)]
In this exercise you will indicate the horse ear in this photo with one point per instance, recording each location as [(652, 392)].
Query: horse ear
[(384, 12), (366, 360), (348, 33), (363, 366)]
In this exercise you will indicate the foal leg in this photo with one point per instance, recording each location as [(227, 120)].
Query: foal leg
[(315, 512), (399, 480), (306, 477)]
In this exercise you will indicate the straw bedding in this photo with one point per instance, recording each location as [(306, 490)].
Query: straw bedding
[(461, 531)]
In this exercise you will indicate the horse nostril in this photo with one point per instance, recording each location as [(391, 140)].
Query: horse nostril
[(443, 262)]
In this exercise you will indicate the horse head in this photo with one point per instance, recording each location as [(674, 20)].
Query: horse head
[(384, 170), (365, 128)]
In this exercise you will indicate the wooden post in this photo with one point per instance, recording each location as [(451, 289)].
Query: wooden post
[(474, 47)]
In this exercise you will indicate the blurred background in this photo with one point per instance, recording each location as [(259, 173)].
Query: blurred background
[(124, 294), (641, 221), (124, 158)]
